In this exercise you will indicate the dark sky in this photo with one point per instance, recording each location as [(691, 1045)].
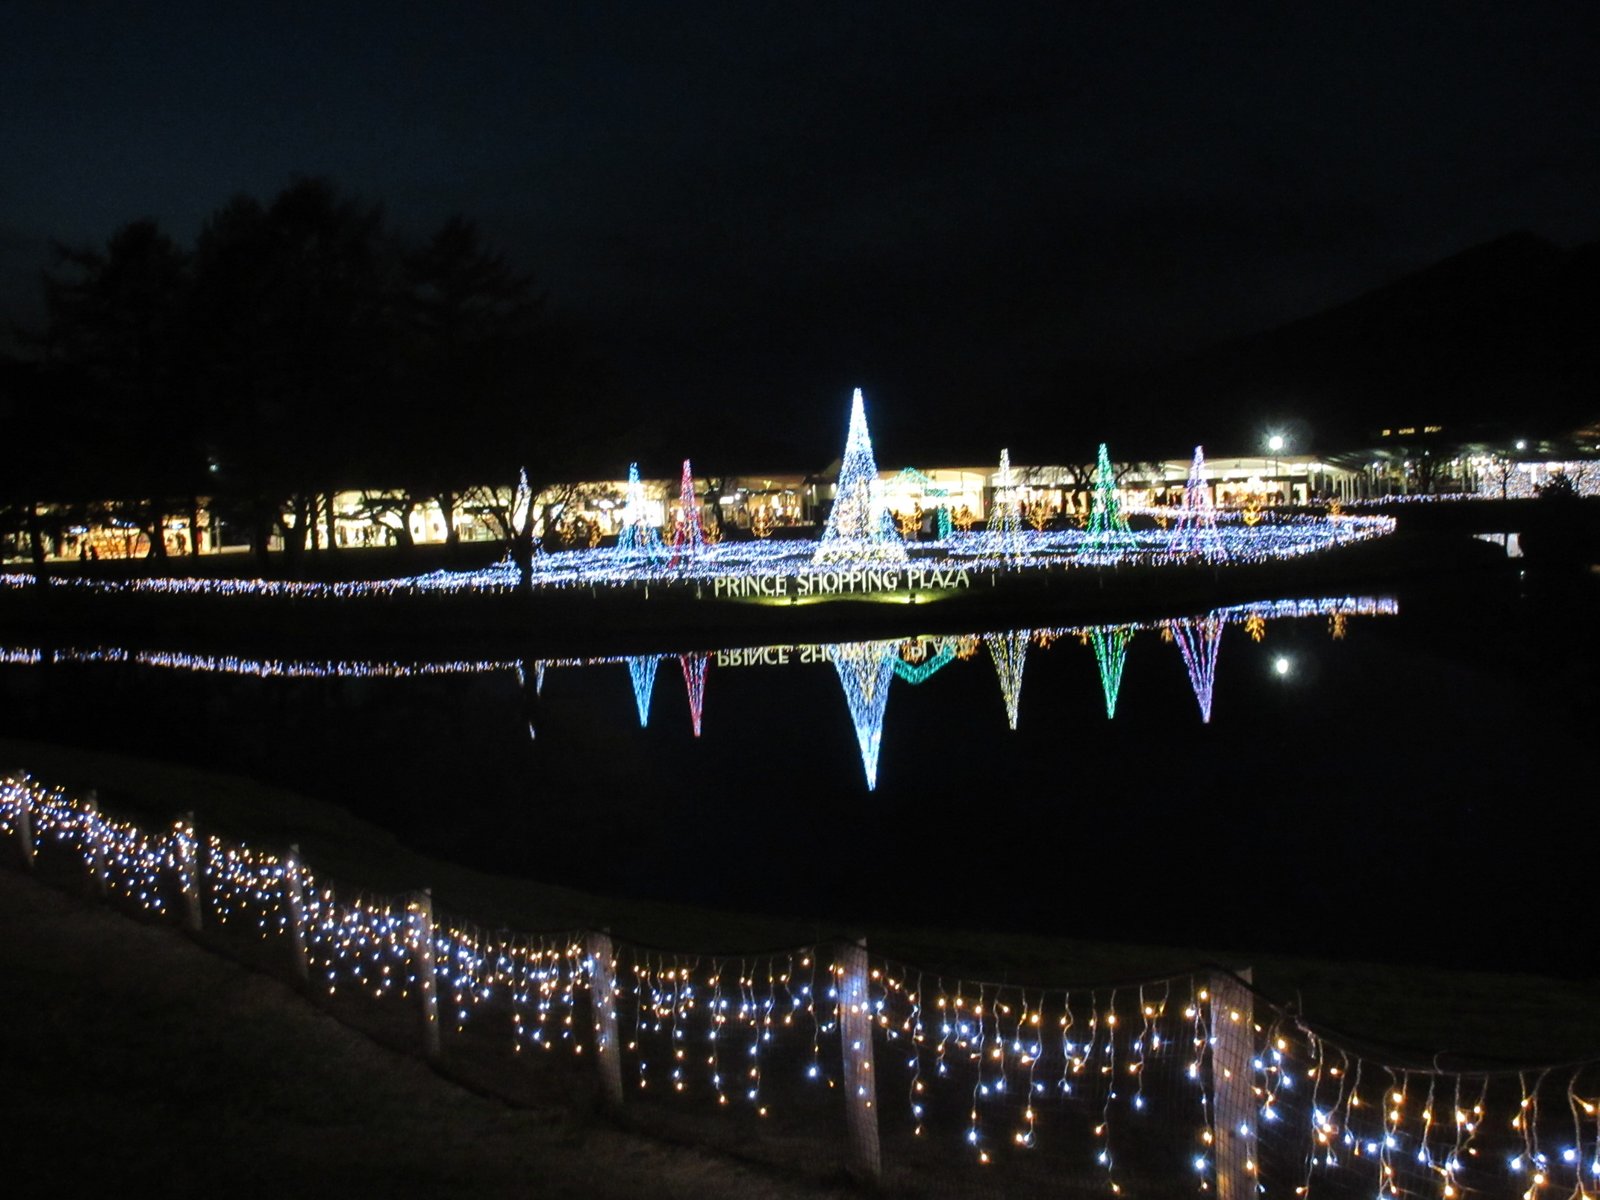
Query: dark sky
[(759, 206)]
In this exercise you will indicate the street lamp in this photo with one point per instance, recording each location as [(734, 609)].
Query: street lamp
[(1275, 443)]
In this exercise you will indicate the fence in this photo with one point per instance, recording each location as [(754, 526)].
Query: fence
[(1190, 1082)]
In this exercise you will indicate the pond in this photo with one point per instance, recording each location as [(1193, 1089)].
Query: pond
[(1399, 774)]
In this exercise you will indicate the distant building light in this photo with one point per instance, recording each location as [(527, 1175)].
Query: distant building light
[(1408, 430), (1433, 429)]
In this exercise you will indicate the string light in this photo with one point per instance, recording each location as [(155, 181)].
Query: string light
[(1196, 530), (835, 565), (694, 681), (1003, 536), (1108, 524), (642, 670), (976, 1060), (866, 670), (1009, 652), (859, 525), (1110, 655), (688, 534), (638, 541), (1199, 640)]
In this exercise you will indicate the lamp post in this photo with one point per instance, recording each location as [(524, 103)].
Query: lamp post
[(1275, 443)]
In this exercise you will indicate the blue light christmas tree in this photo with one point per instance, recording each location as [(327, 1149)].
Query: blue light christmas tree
[(642, 669), (859, 523), (1108, 525), (638, 538), (866, 669), (1199, 639), (1010, 652), (1196, 532), (1110, 653)]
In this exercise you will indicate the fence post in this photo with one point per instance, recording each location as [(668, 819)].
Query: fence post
[(421, 913), (1232, 1094), (94, 832), (24, 816), (603, 1003), (865, 1159), (194, 883), (297, 914)]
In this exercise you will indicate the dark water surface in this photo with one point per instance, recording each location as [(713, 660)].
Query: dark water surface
[(1414, 785)]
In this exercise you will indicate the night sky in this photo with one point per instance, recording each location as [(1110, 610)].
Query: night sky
[(754, 208)]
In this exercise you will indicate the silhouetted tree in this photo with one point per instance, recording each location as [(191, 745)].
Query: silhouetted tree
[(294, 336), (116, 323)]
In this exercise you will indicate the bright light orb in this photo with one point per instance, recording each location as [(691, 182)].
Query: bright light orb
[(1281, 665), (1275, 443)]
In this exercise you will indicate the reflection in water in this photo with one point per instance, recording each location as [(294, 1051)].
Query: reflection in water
[(866, 669), (1010, 651), (1199, 639), (694, 678), (642, 668), (1110, 654)]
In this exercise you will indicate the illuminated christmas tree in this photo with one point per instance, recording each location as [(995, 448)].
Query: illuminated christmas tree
[(1110, 653), (689, 535), (1004, 535), (1010, 652), (859, 524), (642, 669), (638, 539), (1197, 519), (694, 679), (866, 669), (1199, 639), (1107, 522)]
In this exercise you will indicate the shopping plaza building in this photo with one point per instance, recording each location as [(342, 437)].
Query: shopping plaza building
[(792, 505)]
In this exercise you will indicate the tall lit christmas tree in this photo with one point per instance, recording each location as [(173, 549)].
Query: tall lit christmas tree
[(866, 669), (642, 670), (1004, 534), (1110, 653), (638, 538), (688, 535), (1010, 652), (1107, 522), (694, 680), (1199, 639), (1196, 532), (859, 524)]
